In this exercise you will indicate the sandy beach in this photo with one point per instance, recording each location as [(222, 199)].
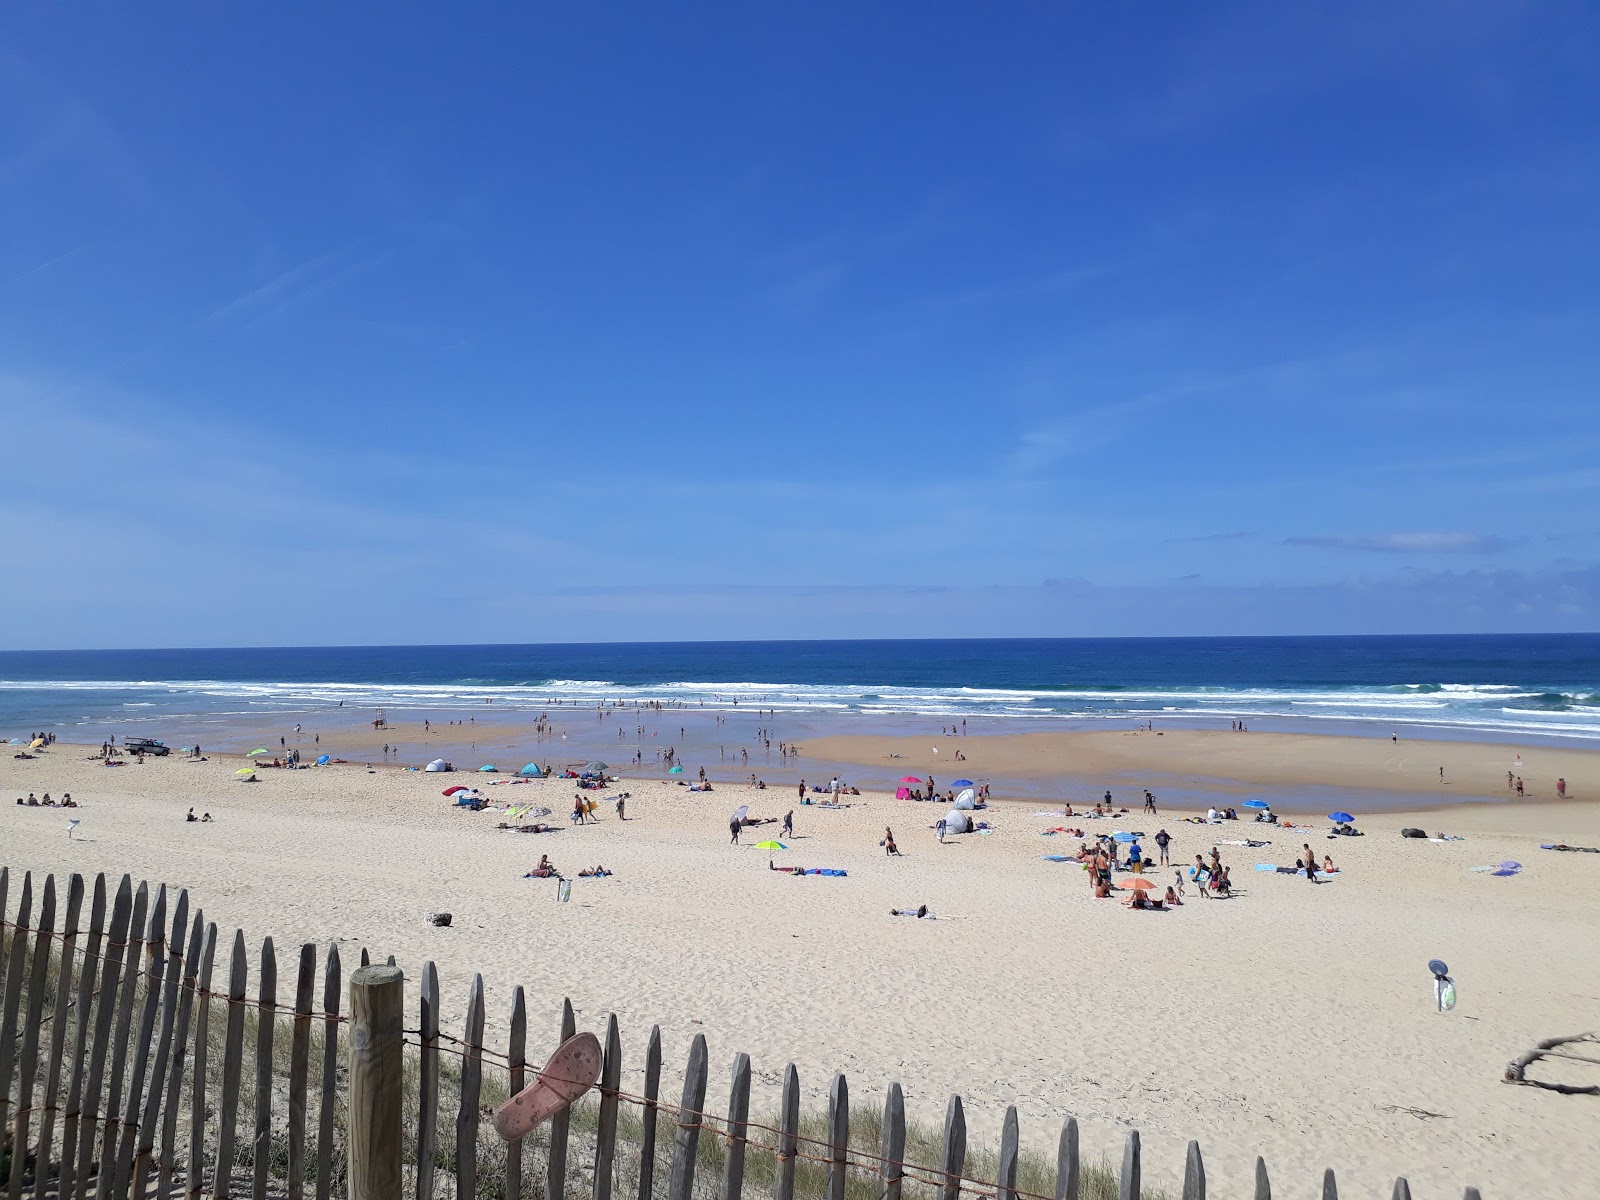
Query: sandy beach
[(1293, 1021), (1239, 762)]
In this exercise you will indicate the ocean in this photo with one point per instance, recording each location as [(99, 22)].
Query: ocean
[(1512, 686)]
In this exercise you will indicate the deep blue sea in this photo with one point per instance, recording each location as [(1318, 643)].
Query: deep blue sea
[(1546, 686)]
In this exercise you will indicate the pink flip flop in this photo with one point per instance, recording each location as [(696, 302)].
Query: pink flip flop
[(572, 1070)]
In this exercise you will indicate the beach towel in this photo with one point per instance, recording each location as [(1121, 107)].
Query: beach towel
[(1573, 849), (1266, 866), (1056, 858)]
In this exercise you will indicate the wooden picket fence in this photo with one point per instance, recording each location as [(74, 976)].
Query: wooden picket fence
[(123, 1072)]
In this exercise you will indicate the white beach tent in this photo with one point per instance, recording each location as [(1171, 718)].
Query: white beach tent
[(437, 764), (957, 821), (967, 799)]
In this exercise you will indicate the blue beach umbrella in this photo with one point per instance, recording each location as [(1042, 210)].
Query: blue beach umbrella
[(674, 770), (961, 783), (1256, 804), (1343, 817)]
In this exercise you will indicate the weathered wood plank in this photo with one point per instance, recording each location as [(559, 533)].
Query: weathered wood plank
[(1067, 1164), (605, 1142), (1263, 1184), (1130, 1183), (111, 974), (266, 1021), (788, 1135), (428, 1089), (232, 1073), (1194, 1174), (332, 991), (838, 1136), (892, 1148), (155, 966), (28, 1058), (377, 1069), (1471, 1193), (555, 1182), (680, 1184), (194, 1168), (1402, 1189), (149, 1122), (121, 1040), (202, 944), (738, 1128), (471, 1082), (16, 969), (647, 1119), (1330, 1186), (58, 1034), (517, 1062), (1006, 1176), (953, 1158), (300, 1068), (77, 1066)]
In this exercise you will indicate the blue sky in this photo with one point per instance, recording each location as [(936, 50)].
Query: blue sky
[(390, 323)]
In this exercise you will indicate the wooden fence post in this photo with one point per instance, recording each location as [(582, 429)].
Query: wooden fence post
[(788, 1135), (1263, 1184), (202, 942), (517, 1062), (1194, 1174), (953, 1159), (1471, 1193), (1005, 1184), (105, 1011), (838, 1136), (58, 1034), (1130, 1185), (605, 1141), (300, 1068), (82, 1009), (194, 1169), (680, 1184), (266, 1022), (647, 1120), (144, 1162), (377, 1066), (13, 999), (232, 1065), (1330, 1187), (428, 1086), (28, 1060), (738, 1128), (471, 1086), (1402, 1189), (1067, 1161), (893, 1145), (332, 991), (555, 1184)]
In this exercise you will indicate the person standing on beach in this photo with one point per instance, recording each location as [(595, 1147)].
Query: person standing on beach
[(733, 828), (1163, 840), (1149, 801), (802, 791), (788, 824), (1310, 861)]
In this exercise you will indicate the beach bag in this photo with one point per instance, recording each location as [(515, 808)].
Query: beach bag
[(1413, 833)]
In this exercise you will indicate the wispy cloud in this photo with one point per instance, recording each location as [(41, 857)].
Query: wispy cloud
[(1406, 543), (1236, 536), (296, 285)]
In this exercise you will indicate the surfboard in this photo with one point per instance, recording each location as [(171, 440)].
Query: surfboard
[(571, 1071)]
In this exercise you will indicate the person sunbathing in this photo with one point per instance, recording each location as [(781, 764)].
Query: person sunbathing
[(545, 870), (1172, 897), (67, 801), (1327, 865), (594, 872), (191, 816), (919, 912)]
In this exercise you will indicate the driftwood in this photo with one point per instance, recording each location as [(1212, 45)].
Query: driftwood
[(1516, 1069)]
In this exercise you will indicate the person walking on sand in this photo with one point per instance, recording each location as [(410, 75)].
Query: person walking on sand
[(1163, 840), (1310, 862), (622, 802), (788, 824), (733, 828)]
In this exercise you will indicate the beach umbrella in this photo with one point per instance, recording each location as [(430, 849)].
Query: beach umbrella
[(769, 846), (451, 791), (488, 767), (911, 779), (245, 771), (675, 771), (324, 759), (594, 766), (1256, 804), (1508, 865), (961, 783), (1343, 818), (258, 750), (1137, 883), (35, 744), (1123, 837)]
